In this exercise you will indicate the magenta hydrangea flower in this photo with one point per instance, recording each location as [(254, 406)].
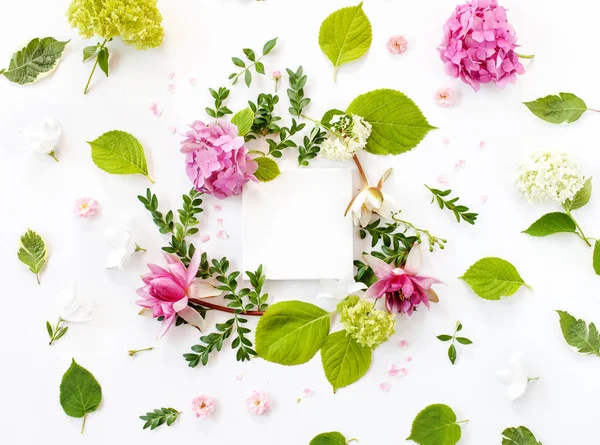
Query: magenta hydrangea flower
[(217, 161), (479, 45)]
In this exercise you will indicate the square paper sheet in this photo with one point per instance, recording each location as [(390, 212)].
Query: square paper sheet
[(295, 226)]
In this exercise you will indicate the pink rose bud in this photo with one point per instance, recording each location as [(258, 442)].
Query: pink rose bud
[(276, 75)]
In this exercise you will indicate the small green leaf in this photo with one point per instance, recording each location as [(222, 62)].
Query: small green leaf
[(435, 425), (519, 436), (344, 360), (332, 438), (243, 120), (326, 120), (398, 124), (89, 52), (159, 416), (267, 169), (32, 252), (238, 62), (551, 223), (103, 60), (39, 58), (452, 353), (464, 341), (581, 198), (269, 46), (565, 107), (444, 337), (579, 335), (492, 278), (248, 78), (80, 392), (596, 257), (119, 153)]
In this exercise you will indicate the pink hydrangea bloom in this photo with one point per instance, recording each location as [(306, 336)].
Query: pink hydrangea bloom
[(479, 45), (203, 406), (258, 403), (85, 207), (217, 161), (397, 44), (444, 97)]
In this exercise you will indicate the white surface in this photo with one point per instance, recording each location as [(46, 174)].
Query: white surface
[(201, 37), (277, 233)]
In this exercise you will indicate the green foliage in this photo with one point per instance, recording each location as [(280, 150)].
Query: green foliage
[(311, 146), (435, 425), (596, 257), (33, 253), (119, 153), (251, 61), (156, 418), (579, 335), (460, 211), (581, 198), (398, 124), (219, 96), (90, 52), (264, 117), (519, 436), (551, 223), (243, 120), (492, 278), (331, 438), (285, 141), (39, 58), (345, 35), (296, 91), (565, 107), (344, 360), (80, 392), (103, 60), (267, 169), (57, 331), (291, 332), (453, 337)]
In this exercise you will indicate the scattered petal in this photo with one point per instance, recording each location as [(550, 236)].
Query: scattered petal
[(402, 372), (460, 165), (483, 199), (404, 344), (172, 129), (152, 106), (170, 76), (217, 207), (157, 112), (222, 234), (408, 358), (482, 145), (192, 81), (220, 222), (446, 141), (443, 179), (171, 88), (85, 207), (307, 392), (393, 371), (204, 237), (239, 376), (384, 386)]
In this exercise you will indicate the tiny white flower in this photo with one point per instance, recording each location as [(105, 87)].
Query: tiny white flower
[(43, 139), (348, 135), (71, 308), (515, 377), (123, 247), (340, 289)]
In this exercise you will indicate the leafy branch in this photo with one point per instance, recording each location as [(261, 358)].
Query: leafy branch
[(460, 211), (159, 416), (311, 146), (57, 331), (453, 337), (432, 239), (296, 91), (276, 148), (253, 62), (264, 116), (219, 96)]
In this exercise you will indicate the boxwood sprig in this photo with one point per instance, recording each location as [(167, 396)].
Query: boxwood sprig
[(295, 92), (460, 211)]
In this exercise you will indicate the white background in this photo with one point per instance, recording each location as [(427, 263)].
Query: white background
[(201, 36)]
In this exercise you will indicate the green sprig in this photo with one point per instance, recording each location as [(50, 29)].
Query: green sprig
[(460, 211), (311, 146), (265, 119), (252, 62), (159, 416), (219, 96), (453, 337), (57, 331), (295, 92), (285, 141)]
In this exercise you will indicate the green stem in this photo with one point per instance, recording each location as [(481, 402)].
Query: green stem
[(532, 379), (433, 240), (83, 424), (53, 155), (525, 56), (591, 109), (335, 73), (580, 234), (132, 352), (246, 69), (351, 440), (463, 421), (87, 85), (150, 179), (139, 249)]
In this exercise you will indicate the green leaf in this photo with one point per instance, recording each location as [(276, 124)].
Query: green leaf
[(492, 278), (579, 335), (269, 46), (32, 252), (159, 416), (89, 52), (291, 332), (344, 360), (452, 353), (119, 153), (39, 58), (238, 62), (464, 341), (398, 124), (519, 436), (565, 107), (326, 120), (80, 392), (248, 78), (267, 169), (444, 337), (581, 198), (435, 425), (332, 438), (596, 257), (345, 35), (551, 223), (103, 60), (243, 120)]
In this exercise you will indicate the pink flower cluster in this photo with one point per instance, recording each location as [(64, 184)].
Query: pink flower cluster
[(217, 161), (479, 45)]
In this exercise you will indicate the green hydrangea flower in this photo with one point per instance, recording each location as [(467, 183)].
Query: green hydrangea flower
[(368, 326)]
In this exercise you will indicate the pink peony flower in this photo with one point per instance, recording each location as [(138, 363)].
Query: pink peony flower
[(397, 44), (167, 291), (258, 403), (203, 406), (479, 45), (217, 161), (85, 207), (403, 289), (444, 97)]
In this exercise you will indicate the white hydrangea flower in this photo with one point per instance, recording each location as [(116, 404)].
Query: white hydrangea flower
[(349, 134), (550, 175)]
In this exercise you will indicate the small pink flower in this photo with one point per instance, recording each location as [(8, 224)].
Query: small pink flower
[(258, 403), (403, 344), (384, 386), (482, 145), (85, 207), (170, 76), (203, 406), (444, 97), (217, 207), (397, 44), (393, 371), (276, 75)]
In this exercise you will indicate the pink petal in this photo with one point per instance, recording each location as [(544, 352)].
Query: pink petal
[(381, 269), (393, 371), (307, 392), (443, 179), (403, 344), (194, 265), (152, 106), (408, 358), (166, 325), (222, 234), (170, 76), (217, 207), (172, 129), (384, 386), (446, 141), (376, 290), (239, 376), (220, 222), (204, 237), (483, 199), (402, 372), (482, 145), (192, 81), (171, 88)]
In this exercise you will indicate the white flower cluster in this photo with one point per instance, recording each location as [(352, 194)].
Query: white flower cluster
[(550, 175), (349, 134)]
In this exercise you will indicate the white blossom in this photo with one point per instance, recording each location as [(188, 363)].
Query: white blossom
[(515, 377), (348, 135), (123, 247), (71, 308)]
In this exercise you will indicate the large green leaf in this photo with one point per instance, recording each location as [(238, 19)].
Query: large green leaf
[(267, 169), (33, 252), (581, 198), (243, 120), (519, 436), (565, 107), (345, 36), (492, 278), (398, 124), (596, 257), (119, 153), (332, 438), (551, 223), (344, 360), (80, 392), (291, 332), (37, 59), (435, 425), (579, 335)]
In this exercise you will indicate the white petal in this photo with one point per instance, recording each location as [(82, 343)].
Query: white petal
[(413, 260), (356, 288), (517, 389), (116, 258), (66, 297), (505, 376), (359, 201), (116, 237), (52, 130), (202, 289)]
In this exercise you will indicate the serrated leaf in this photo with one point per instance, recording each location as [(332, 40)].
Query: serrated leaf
[(243, 120), (435, 425), (550, 223), (291, 332), (103, 60), (32, 252), (565, 107), (344, 360), (332, 438), (345, 35), (519, 436), (119, 153), (326, 119), (89, 52), (267, 169), (39, 58), (492, 278), (398, 124), (80, 392), (581, 198), (596, 257), (579, 335)]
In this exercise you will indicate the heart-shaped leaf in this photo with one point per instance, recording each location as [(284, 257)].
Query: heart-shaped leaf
[(492, 278), (551, 223), (332, 438), (435, 425), (80, 392), (519, 436), (344, 360), (243, 120), (581, 198), (267, 169)]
